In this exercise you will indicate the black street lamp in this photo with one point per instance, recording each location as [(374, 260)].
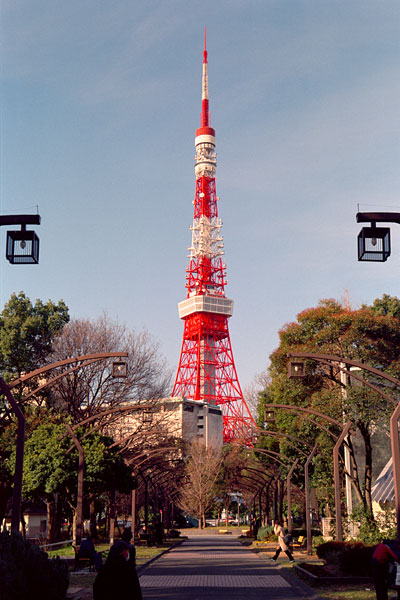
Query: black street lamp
[(119, 368), (296, 369), (373, 243), (22, 246)]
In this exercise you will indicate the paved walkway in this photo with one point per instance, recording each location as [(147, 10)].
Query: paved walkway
[(218, 567)]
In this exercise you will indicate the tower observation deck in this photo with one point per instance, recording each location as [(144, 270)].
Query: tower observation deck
[(206, 371)]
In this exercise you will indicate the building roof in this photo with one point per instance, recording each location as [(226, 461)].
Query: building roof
[(383, 488)]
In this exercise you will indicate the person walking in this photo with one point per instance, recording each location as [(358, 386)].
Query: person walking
[(117, 578), (283, 547), (386, 553), (127, 537)]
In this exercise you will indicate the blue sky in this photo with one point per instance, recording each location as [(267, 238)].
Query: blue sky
[(100, 102)]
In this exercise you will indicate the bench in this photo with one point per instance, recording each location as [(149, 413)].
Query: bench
[(224, 531), (149, 538), (300, 543), (82, 561)]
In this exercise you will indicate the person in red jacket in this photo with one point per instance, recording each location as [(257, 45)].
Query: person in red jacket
[(384, 554)]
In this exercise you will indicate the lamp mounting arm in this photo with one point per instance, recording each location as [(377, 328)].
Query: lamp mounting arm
[(378, 217), (19, 220)]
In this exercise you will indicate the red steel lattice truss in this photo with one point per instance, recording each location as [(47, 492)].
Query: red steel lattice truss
[(206, 369)]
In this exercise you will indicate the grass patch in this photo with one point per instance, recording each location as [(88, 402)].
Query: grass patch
[(68, 551), (348, 593), (145, 553)]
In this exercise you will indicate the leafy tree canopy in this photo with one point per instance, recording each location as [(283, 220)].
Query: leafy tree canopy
[(369, 335), (27, 331), (50, 468), (387, 305)]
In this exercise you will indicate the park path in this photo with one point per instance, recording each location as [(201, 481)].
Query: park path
[(218, 567)]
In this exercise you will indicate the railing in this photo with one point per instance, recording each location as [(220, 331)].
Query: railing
[(53, 546)]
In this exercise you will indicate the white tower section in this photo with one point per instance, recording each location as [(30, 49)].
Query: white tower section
[(207, 240)]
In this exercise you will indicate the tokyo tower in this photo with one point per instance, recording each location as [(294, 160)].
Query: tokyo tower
[(206, 370)]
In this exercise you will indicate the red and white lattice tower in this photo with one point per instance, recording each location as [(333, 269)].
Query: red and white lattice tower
[(206, 369)]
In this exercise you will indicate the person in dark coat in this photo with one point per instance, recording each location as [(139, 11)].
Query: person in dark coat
[(127, 537), (159, 532), (384, 554), (87, 550), (117, 578)]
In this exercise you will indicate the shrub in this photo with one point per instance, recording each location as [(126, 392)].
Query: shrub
[(374, 530), (317, 541), (26, 572), (174, 533), (265, 533), (351, 558), (355, 559), (330, 552)]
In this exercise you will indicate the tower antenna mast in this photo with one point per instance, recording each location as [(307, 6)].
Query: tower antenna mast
[(206, 371)]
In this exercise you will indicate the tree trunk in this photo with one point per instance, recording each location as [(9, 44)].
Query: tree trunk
[(74, 524), (59, 518), (281, 492), (5, 495), (267, 503), (23, 524), (51, 519), (355, 480), (92, 518), (368, 467), (112, 517), (276, 515)]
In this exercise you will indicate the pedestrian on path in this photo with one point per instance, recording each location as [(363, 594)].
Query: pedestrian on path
[(117, 578), (283, 547), (128, 537), (384, 554)]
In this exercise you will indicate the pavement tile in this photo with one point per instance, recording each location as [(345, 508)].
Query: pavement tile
[(208, 568), (214, 581)]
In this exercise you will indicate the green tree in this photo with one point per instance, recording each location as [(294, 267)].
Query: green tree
[(50, 468), (26, 333), (370, 335), (387, 305)]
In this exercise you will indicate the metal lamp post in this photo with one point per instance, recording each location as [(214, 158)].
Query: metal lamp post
[(338, 441), (22, 248), (19, 456), (289, 494), (6, 389), (329, 359), (307, 493), (119, 369)]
